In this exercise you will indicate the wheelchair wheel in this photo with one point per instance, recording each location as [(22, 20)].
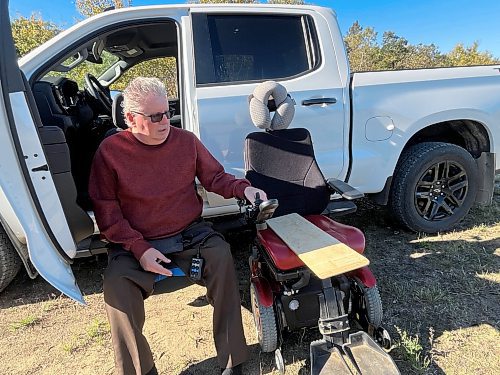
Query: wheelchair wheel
[(367, 304), (265, 323)]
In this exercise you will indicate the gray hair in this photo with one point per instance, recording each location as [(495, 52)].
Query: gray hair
[(138, 90)]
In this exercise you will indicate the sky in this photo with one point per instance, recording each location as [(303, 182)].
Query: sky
[(442, 22)]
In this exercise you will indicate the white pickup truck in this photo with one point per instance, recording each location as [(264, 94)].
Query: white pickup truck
[(426, 141)]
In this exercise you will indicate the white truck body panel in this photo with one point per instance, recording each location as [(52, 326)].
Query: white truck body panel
[(415, 99)]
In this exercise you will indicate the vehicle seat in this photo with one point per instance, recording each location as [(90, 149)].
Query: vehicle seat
[(58, 158), (117, 112), (281, 162)]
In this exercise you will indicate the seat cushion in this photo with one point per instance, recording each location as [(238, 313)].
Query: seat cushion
[(285, 259)]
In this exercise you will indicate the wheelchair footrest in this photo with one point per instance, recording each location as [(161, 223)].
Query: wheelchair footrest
[(340, 208)]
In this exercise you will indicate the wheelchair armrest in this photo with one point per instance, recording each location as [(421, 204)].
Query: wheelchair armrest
[(343, 188)]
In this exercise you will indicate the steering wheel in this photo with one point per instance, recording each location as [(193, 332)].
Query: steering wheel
[(98, 92)]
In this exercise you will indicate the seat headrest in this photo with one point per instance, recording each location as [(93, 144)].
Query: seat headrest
[(117, 112), (261, 106)]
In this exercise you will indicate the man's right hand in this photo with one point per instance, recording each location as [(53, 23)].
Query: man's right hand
[(149, 262)]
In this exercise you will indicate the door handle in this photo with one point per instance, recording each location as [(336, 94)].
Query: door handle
[(44, 167), (318, 101)]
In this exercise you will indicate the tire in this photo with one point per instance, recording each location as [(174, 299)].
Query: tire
[(434, 186), (367, 304), (265, 323), (10, 263), (373, 304)]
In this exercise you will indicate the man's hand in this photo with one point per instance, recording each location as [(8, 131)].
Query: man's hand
[(149, 262), (250, 192)]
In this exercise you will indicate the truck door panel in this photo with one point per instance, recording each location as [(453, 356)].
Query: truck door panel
[(235, 52)]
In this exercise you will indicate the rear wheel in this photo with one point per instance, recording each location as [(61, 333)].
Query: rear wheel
[(434, 186), (265, 323), (10, 263)]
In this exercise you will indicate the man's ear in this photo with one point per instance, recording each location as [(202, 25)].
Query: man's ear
[(130, 119)]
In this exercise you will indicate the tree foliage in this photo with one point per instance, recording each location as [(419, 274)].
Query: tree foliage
[(395, 52), (461, 55), (30, 32), (88, 8), (361, 46)]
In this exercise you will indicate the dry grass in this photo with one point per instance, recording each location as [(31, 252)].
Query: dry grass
[(440, 295)]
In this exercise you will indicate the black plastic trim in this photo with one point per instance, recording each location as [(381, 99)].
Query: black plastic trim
[(351, 123), (382, 198), (316, 101)]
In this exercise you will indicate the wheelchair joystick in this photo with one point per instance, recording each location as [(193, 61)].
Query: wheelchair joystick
[(257, 201)]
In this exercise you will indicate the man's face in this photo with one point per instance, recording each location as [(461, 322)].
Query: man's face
[(142, 125)]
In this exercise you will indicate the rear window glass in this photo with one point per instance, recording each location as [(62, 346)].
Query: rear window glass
[(231, 48)]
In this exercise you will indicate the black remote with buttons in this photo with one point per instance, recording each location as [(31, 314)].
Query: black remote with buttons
[(196, 269)]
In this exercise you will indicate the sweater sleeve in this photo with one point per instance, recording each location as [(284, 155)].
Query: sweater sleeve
[(103, 188), (213, 177)]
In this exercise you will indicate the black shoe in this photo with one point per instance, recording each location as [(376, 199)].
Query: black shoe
[(236, 370), (153, 371)]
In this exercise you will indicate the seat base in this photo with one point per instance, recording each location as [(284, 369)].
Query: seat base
[(285, 259)]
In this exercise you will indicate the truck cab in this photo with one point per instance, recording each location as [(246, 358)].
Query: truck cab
[(57, 108)]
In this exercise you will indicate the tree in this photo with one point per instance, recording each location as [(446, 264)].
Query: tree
[(362, 48), (88, 8), (395, 52), (29, 33), (464, 56)]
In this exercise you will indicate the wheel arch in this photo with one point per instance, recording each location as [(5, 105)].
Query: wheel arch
[(470, 134)]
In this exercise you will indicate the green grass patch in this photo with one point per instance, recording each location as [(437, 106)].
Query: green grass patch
[(71, 346), (412, 351), (98, 330), (29, 321), (432, 294)]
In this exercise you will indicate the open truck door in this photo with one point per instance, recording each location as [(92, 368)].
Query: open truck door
[(27, 189)]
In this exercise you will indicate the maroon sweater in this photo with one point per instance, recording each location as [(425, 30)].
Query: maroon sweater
[(144, 192)]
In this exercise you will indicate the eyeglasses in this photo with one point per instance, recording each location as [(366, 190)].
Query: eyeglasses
[(157, 117)]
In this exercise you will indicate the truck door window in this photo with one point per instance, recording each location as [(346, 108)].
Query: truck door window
[(164, 68), (235, 48)]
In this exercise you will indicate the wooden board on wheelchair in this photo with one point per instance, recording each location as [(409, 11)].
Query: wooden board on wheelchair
[(323, 254)]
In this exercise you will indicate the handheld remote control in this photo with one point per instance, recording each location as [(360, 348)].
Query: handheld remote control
[(196, 269)]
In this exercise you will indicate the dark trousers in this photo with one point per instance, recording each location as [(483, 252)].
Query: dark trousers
[(126, 285)]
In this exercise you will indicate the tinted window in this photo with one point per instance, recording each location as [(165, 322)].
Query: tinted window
[(244, 48)]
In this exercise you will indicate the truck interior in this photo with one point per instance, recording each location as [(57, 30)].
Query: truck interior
[(74, 96)]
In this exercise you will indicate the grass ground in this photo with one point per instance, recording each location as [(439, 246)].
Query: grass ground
[(440, 295)]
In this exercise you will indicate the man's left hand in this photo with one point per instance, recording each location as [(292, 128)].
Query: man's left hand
[(250, 192)]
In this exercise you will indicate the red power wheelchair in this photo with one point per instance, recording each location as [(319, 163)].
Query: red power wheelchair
[(285, 294)]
